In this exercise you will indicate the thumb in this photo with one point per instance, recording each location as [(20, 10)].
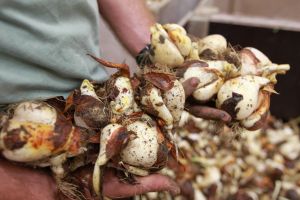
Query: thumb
[(206, 112), (190, 86), (114, 188)]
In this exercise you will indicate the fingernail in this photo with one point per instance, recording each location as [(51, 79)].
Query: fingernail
[(174, 189), (194, 82), (225, 117)]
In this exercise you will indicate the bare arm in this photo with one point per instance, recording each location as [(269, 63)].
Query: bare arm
[(130, 20), (18, 182)]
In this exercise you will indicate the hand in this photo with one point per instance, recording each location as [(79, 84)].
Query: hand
[(17, 182), (113, 187), (200, 110), (151, 183)]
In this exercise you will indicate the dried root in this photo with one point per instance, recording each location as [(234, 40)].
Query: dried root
[(70, 190)]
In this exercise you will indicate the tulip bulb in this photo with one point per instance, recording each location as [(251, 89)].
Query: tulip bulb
[(211, 46), (175, 100), (90, 111), (154, 104), (253, 122), (35, 132), (254, 62), (239, 96), (122, 97), (164, 51), (210, 81), (178, 36), (113, 138)]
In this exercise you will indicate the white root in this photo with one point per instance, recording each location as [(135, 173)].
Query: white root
[(56, 165), (102, 159), (71, 191), (271, 71), (274, 68)]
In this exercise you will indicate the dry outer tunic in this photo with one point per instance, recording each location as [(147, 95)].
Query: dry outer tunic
[(43, 47)]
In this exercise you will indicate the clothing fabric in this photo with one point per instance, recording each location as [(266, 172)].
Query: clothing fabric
[(44, 46)]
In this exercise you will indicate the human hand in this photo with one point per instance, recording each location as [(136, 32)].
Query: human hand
[(114, 188), (18, 182), (207, 112), (203, 111), (151, 183)]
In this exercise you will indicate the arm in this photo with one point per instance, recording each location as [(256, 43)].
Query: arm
[(130, 20), (18, 182)]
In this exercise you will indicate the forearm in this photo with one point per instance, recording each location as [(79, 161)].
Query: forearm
[(18, 182), (130, 20)]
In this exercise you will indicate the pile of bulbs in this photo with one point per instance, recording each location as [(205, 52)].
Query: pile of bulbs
[(135, 119), (259, 165)]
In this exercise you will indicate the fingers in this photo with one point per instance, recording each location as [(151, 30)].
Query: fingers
[(209, 113), (190, 85), (113, 188), (203, 111), (190, 63)]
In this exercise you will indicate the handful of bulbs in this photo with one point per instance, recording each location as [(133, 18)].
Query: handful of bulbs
[(130, 123)]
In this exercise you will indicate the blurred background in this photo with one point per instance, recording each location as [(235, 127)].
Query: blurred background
[(272, 26)]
